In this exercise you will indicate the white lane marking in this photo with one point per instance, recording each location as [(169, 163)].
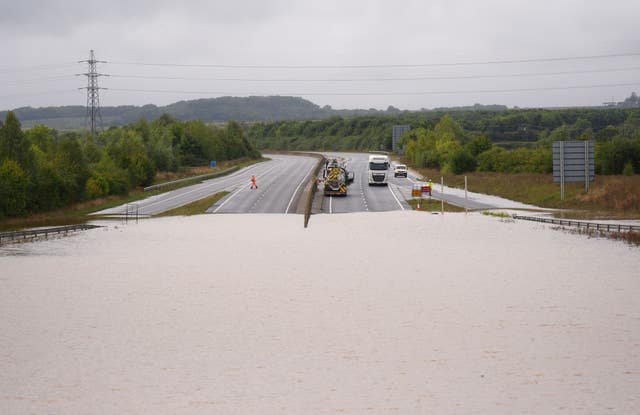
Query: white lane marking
[(201, 188), (242, 187), (330, 204), (229, 198), (296, 191), (395, 197), (364, 198)]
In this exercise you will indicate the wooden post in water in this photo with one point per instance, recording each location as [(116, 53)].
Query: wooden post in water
[(441, 194), (466, 204)]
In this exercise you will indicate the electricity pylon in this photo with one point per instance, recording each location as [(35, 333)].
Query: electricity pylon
[(93, 117)]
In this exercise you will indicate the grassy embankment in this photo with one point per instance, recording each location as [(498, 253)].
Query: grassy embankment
[(433, 205), (77, 213), (609, 197), (196, 208)]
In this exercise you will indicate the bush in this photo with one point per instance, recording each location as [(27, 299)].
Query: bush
[(14, 189), (97, 186), (612, 157), (628, 169), (521, 160), (461, 161)]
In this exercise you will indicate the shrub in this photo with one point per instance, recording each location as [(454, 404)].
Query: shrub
[(628, 169), (14, 189), (461, 161)]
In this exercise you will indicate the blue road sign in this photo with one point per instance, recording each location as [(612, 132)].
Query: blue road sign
[(213, 164)]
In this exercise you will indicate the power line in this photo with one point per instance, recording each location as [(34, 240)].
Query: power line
[(36, 67), (411, 65), (479, 91), (33, 80), (35, 94), (419, 78), (60, 91)]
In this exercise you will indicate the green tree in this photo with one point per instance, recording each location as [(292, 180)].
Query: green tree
[(14, 189), (71, 168), (607, 133), (447, 126), (479, 145), (43, 137), (461, 161), (14, 144), (613, 156), (129, 153), (107, 178)]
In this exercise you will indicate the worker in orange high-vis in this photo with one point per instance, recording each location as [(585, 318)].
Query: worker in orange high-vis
[(253, 182)]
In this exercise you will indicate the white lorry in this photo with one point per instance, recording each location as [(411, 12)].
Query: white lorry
[(378, 171)]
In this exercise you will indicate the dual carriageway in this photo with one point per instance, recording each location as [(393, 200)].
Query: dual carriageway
[(281, 181)]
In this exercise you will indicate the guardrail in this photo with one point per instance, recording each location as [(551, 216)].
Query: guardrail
[(192, 179), (608, 227), (35, 233)]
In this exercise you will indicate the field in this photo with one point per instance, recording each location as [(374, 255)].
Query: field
[(612, 197)]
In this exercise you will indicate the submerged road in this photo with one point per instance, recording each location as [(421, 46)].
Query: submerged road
[(280, 182)]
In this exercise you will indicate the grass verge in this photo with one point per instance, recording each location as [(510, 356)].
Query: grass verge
[(609, 197), (497, 214), (196, 208), (433, 205)]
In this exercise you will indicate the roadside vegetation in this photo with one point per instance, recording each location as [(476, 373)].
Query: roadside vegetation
[(196, 208), (77, 212), (43, 170), (630, 237), (501, 215), (609, 197), (433, 205)]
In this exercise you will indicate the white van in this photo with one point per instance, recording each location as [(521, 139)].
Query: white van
[(378, 170), (400, 170)]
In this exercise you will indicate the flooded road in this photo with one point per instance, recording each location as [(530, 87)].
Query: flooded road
[(397, 312)]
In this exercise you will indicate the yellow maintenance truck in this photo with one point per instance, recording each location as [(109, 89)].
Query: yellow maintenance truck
[(335, 179)]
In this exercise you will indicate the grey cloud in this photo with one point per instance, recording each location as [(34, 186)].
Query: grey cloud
[(329, 32)]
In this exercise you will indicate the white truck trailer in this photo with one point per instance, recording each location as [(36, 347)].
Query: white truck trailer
[(378, 170)]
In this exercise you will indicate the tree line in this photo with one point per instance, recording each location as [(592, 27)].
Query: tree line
[(42, 169), (510, 141)]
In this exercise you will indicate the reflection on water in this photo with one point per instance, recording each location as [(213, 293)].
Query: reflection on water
[(39, 245)]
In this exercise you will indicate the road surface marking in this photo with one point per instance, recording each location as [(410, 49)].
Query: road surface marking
[(242, 187), (229, 198), (199, 188), (395, 197), (296, 191)]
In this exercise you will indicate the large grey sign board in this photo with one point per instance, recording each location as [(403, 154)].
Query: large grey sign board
[(397, 131), (573, 159)]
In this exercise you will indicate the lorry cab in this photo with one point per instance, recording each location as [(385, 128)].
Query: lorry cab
[(378, 170)]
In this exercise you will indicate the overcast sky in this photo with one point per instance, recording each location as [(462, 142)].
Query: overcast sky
[(320, 42)]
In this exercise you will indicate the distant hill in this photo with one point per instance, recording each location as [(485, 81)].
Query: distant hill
[(274, 108), (248, 109)]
